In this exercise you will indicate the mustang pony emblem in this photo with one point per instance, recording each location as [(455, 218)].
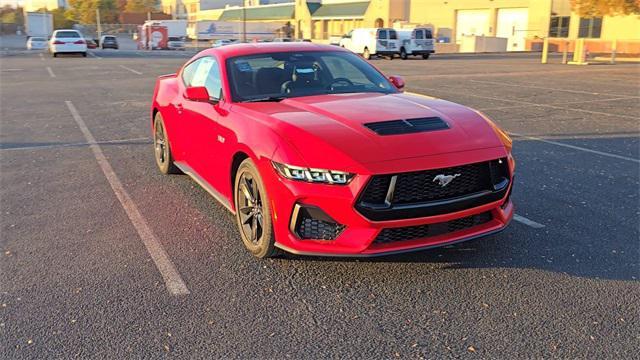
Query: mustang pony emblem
[(444, 180)]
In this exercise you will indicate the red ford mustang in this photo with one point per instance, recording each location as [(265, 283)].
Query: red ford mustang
[(317, 152)]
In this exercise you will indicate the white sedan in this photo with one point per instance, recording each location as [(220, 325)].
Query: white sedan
[(36, 43), (67, 41)]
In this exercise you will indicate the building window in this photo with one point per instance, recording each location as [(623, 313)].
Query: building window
[(559, 26), (590, 27)]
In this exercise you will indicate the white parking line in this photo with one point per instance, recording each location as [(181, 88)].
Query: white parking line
[(602, 153), (549, 88), (41, 56), (95, 56), (528, 103), (53, 146), (524, 220), (130, 69), (51, 72), (562, 103), (172, 279)]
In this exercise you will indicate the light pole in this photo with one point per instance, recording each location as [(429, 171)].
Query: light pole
[(244, 22), (98, 25)]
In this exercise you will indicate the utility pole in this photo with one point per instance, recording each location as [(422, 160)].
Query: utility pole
[(244, 22), (98, 25), (45, 23)]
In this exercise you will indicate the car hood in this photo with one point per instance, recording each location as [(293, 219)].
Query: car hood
[(327, 127)]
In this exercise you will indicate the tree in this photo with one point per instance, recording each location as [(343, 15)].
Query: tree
[(591, 8), (141, 6), (60, 21), (11, 15), (84, 11)]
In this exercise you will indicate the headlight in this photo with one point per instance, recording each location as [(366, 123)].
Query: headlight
[(312, 175)]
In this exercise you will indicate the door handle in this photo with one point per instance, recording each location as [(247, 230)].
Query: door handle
[(179, 108)]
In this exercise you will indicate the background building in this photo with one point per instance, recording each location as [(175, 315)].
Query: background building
[(34, 5), (524, 23)]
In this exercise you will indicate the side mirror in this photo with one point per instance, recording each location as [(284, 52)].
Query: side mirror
[(397, 81), (197, 93)]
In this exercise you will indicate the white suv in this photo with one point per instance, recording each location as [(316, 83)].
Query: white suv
[(67, 41)]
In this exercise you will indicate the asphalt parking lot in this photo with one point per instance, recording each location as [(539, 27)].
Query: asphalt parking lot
[(78, 281)]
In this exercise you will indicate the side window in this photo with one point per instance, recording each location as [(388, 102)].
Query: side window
[(419, 35), (204, 72), (188, 72), (393, 35), (213, 83), (382, 34)]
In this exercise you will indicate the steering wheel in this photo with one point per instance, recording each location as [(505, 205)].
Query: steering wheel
[(340, 80)]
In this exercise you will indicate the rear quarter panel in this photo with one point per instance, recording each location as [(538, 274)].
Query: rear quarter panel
[(164, 95)]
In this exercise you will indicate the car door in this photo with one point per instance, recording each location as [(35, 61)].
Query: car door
[(209, 158)]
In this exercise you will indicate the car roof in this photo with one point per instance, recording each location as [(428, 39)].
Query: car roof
[(242, 49)]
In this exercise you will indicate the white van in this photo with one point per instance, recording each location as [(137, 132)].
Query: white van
[(418, 41), (369, 42)]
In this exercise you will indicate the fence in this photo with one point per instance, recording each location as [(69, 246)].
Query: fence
[(583, 51)]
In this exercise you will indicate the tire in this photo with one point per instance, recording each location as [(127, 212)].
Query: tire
[(403, 54), (84, 54), (162, 150), (425, 56), (253, 213), (366, 54), (54, 54)]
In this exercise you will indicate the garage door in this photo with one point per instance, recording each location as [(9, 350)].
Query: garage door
[(472, 22), (513, 24)]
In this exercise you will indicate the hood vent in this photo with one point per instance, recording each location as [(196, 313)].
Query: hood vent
[(410, 126)]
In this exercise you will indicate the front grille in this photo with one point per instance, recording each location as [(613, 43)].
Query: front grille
[(392, 235), (312, 223), (410, 126), (422, 186), (433, 192)]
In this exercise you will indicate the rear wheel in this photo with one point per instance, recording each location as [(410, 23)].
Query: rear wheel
[(253, 214), (366, 54), (84, 54), (425, 56), (162, 150), (55, 54), (403, 54)]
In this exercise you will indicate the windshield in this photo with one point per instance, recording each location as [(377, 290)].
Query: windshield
[(274, 76), (37, 39)]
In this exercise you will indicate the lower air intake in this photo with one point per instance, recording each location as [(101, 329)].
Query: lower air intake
[(392, 235), (312, 223)]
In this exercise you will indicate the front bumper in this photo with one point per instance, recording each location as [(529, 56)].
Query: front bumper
[(358, 235)]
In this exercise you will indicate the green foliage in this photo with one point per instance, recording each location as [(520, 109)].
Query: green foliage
[(84, 11), (60, 21), (11, 16), (141, 5), (591, 8)]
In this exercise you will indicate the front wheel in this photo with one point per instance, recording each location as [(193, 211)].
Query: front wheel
[(253, 213), (425, 56), (84, 54), (403, 54), (54, 54)]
